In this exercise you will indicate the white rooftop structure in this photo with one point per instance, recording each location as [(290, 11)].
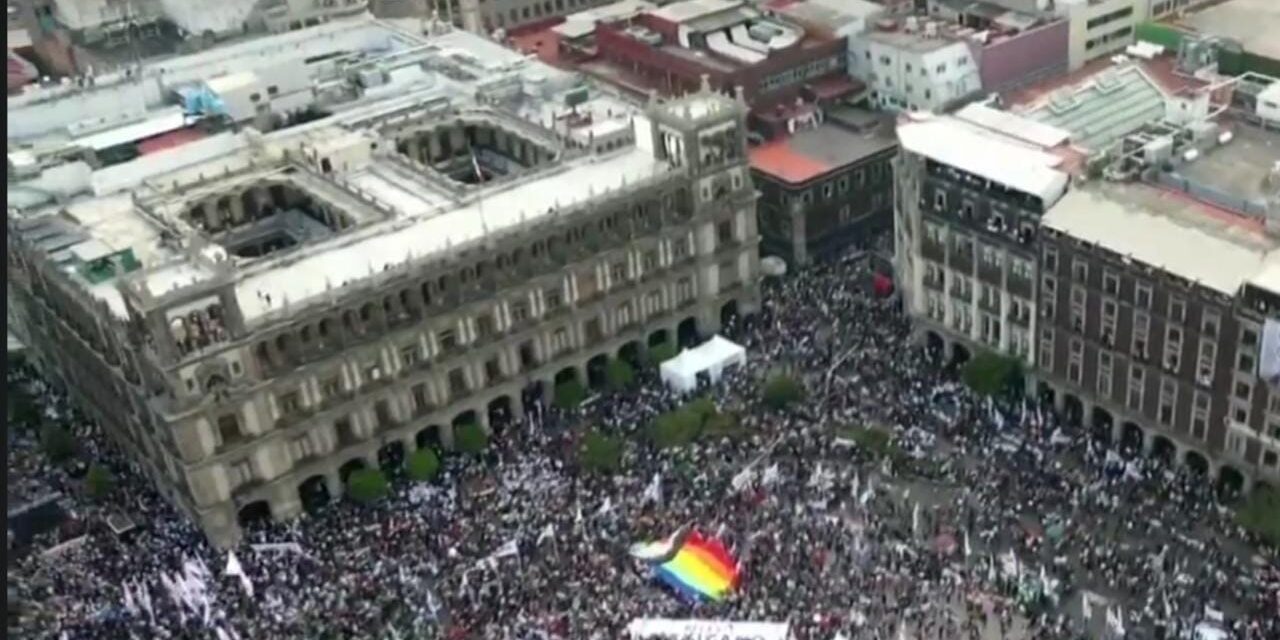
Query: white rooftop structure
[(583, 23), (680, 12), (984, 153), (1134, 221), (399, 210), (1012, 124)]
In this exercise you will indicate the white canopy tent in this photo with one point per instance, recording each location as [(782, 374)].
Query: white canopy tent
[(710, 358)]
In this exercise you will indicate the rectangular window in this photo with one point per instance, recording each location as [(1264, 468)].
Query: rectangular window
[(519, 311), (1050, 260), (560, 340), (1142, 296), (724, 229), (1205, 362), (1209, 323), (1137, 380), (553, 298), (1141, 325), (485, 326), (457, 382), (331, 387), (409, 356), (447, 340), (1200, 415), (1172, 348), (1177, 310), (1168, 400), (1110, 283), (228, 428), (289, 403), (1079, 270), (1105, 362)]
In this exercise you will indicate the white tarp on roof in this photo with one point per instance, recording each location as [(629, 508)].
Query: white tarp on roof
[(1021, 127), (218, 16), (708, 629), (956, 143), (162, 121), (711, 357)]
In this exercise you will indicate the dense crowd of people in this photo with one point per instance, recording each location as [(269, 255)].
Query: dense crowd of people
[(996, 520)]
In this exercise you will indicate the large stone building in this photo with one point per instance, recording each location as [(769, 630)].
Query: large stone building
[(255, 315), (1133, 273)]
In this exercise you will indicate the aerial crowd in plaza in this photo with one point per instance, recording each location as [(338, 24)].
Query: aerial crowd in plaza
[(884, 500)]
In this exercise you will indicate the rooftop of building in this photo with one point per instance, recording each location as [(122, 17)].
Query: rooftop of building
[(984, 24), (1160, 69), (1253, 23), (400, 210), (1167, 230), (810, 154), (833, 14), (1004, 159), (1242, 167)]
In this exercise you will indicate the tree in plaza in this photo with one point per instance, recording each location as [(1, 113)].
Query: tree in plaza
[(703, 407), (600, 453), (619, 374), (874, 440), (661, 352), (782, 390), (990, 373), (98, 482), (675, 428), (367, 486), (721, 425), (57, 443), (1261, 514), (422, 465), (570, 394), (470, 438), (22, 409)]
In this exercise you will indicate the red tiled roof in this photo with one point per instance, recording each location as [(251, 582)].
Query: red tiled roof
[(170, 140), (779, 160)]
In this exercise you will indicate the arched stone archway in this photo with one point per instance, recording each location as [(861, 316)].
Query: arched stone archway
[(1230, 481), (566, 374), (729, 314), (1102, 418), (1072, 409), (934, 345), (350, 467), (687, 333), (1132, 436), (1046, 394), (630, 353), (254, 514), (531, 396), (1164, 450), (658, 337), (314, 493), (1197, 462), (391, 457), (500, 414), (960, 354), (466, 417), (428, 437), (596, 371)]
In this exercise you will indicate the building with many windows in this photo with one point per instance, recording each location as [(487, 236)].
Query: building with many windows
[(255, 315), (1136, 286)]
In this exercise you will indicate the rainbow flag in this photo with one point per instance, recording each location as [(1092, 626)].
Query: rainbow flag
[(701, 568)]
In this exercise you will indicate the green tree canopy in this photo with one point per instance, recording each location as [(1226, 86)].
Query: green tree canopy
[(600, 453), (57, 442), (662, 352), (1261, 514), (23, 411), (675, 428), (367, 486), (570, 394), (721, 425), (470, 438), (619, 374), (782, 390), (98, 482), (991, 374), (423, 465)]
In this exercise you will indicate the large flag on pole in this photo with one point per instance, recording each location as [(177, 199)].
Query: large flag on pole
[(653, 493)]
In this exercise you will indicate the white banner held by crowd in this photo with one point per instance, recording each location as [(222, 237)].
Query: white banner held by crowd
[(708, 629)]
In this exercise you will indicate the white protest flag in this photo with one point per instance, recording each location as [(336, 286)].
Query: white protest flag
[(233, 565), (857, 485), (1044, 581), (144, 600), (247, 584), (771, 475), (548, 533), (222, 635), (578, 517), (653, 493), (208, 612), (867, 495), (508, 549), (915, 520), (743, 479), (967, 549), (1115, 621), (129, 604), (606, 508)]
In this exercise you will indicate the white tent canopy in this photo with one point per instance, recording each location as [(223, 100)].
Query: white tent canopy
[(710, 358)]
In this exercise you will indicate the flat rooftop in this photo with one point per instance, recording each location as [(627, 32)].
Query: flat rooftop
[(1254, 23), (1240, 167), (810, 154), (1167, 230), (397, 209)]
